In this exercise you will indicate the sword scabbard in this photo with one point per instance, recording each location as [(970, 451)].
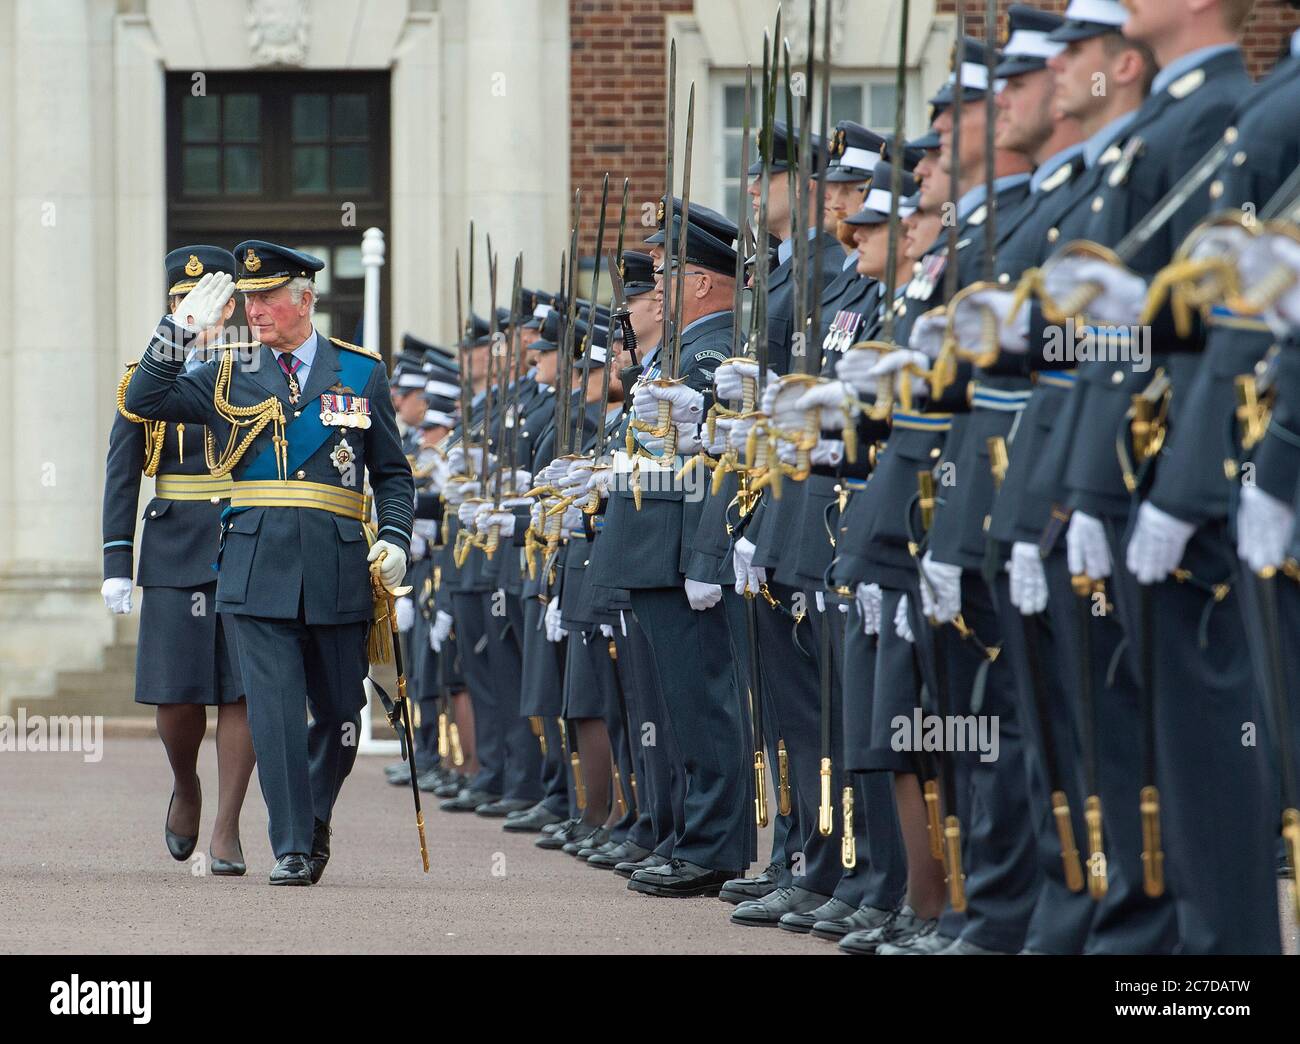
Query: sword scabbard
[(956, 878), (825, 814), (1098, 884), (848, 844), (932, 827), (1153, 858), (760, 789), (783, 778), (1069, 850)]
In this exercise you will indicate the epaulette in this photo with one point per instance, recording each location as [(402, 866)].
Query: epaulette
[(357, 348)]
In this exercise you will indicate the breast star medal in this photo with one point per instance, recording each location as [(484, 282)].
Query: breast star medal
[(342, 457)]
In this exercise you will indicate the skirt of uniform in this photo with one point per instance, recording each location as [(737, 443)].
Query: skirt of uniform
[(893, 694), (540, 691), (185, 654), (588, 676)]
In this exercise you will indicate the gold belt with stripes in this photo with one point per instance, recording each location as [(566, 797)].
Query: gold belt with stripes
[(297, 494), (192, 487)]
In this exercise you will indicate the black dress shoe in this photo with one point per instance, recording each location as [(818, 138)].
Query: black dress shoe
[(624, 852), (862, 919), (589, 837), (227, 867), (429, 781), (802, 921), (468, 800), (449, 789), (679, 879), (926, 941), (534, 821), (180, 846), (768, 911), (569, 830), (644, 863), (399, 775), (291, 869), (320, 850), (397, 768), (502, 807), (598, 841), (901, 924), (743, 889)]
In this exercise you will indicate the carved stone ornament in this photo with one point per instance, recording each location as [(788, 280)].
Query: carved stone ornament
[(277, 31)]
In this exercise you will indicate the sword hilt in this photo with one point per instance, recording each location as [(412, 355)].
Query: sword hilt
[(760, 789), (1098, 884), (493, 540), (1153, 858), (1069, 850)]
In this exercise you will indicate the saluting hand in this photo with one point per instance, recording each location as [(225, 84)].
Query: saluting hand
[(202, 310)]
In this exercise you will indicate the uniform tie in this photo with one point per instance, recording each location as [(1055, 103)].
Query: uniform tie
[(289, 363)]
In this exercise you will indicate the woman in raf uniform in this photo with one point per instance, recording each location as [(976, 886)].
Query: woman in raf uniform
[(186, 660)]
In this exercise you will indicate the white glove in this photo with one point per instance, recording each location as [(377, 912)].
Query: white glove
[(727, 380), (440, 631), (478, 522), (405, 613), (893, 363), (457, 455), (854, 369), (868, 597), (1026, 578), (458, 492), (203, 308), (1086, 550), (831, 397), (554, 632), (1258, 261), (393, 568), (826, 453), (117, 594), (466, 513), (940, 589), (600, 481), (1157, 544), (721, 431), (1123, 294), (968, 321), (928, 334), (553, 471), (1287, 253), (607, 630), (576, 475), (1221, 241), (523, 481), (1264, 528), (902, 625), (537, 516), (571, 520), (738, 429), (419, 545), (688, 438), (742, 562), (780, 400), (687, 403), (702, 596)]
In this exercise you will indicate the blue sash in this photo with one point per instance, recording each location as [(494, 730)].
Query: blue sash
[(305, 433)]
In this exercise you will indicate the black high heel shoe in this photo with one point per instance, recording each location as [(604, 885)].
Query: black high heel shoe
[(227, 867), (180, 846)]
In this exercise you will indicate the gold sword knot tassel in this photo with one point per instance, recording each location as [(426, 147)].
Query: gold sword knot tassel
[(825, 814), (782, 777), (1153, 858), (1069, 850), (1098, 884), (848, 844)]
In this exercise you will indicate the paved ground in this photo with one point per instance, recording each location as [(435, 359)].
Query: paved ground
[(83, 869)]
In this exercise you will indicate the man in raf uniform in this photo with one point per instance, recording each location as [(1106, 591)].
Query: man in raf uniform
[(298, 420)]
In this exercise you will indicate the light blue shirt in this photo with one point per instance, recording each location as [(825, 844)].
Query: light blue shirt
[(305, 353), (973, 199), (1104, 138), (1052, 164), (1181, 66), (850, 262), (786, 249)]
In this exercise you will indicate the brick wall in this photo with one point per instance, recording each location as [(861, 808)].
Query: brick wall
[(617, 79), (1267, 33)]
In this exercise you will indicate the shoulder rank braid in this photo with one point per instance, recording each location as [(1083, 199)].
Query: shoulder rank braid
[(155, 431), (250, 420)]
